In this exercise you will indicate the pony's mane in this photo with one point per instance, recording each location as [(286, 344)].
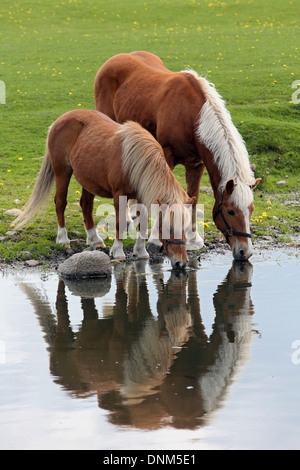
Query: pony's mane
[(218, 133), (148, 171)]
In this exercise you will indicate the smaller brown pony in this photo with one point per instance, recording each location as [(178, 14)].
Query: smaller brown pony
[(109, 160)]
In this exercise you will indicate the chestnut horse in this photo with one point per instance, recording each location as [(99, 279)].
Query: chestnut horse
[(109, 160), (188, 117)]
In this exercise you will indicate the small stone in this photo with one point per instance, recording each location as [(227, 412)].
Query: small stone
[(88, 264), (32, 262), (206, 189), (281, 182), (11, 233), (15, 212)]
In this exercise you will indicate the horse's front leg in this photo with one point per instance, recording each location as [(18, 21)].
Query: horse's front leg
[(139, 249), (87, 203), (193, 175), (116, 250), (154, 243)]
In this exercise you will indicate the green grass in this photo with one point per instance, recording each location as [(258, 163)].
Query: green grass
[(51, 51)]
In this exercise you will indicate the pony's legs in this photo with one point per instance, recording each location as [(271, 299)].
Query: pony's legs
[(154, 244), (116, 250), (129, 216), (87, 204), (61, 183), (193, 177), (139, 248)]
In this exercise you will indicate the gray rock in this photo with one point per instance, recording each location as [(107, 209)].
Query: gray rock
[(11, 233), (88, 264), (206, 189), (281, 182), (15, 212), (32, 262)]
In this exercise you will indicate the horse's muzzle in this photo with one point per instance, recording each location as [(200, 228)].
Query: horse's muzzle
[(178, 265), (241, 252)]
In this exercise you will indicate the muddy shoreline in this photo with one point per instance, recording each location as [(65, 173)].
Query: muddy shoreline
[(52, 262)]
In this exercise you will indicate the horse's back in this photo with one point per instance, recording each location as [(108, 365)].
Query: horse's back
[(66, 130), (115, 73), (140, 88), (73, 121), (130, 85), (149, 59)]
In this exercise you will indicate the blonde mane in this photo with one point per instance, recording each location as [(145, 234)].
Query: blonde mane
[(151, 177), (218, 133), (148, 171)]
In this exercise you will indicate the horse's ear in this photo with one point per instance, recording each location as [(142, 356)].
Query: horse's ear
[(253, 186), (229, 187), (159, 202)]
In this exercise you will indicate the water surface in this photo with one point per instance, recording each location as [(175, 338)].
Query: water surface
[(150, 359)]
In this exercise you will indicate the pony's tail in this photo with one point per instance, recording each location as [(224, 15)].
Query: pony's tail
[(40, 194)]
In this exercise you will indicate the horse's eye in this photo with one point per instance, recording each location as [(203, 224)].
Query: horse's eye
[(231, 212)]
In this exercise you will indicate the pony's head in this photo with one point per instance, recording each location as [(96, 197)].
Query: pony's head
[(232, 212), (174, 222)]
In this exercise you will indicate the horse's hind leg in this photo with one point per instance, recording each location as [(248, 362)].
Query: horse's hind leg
[(61, 184), (87, 203)]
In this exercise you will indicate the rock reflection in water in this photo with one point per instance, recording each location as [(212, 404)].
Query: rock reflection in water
[(150, 369)]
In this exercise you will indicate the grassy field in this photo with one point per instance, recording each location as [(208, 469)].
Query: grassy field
[(51, 51)]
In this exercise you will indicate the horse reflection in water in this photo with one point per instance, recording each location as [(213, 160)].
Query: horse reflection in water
[(151, 370)]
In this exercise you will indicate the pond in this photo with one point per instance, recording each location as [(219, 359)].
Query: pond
[(151, 359)]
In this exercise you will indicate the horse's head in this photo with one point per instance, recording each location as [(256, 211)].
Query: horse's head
[(233, 221), (174, 221)]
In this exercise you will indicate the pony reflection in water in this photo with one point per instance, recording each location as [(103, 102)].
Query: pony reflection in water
[(150, 367), (110, 160)]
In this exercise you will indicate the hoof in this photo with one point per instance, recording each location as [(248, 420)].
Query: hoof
[(152, 248), (99, 245), (120, 258)]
